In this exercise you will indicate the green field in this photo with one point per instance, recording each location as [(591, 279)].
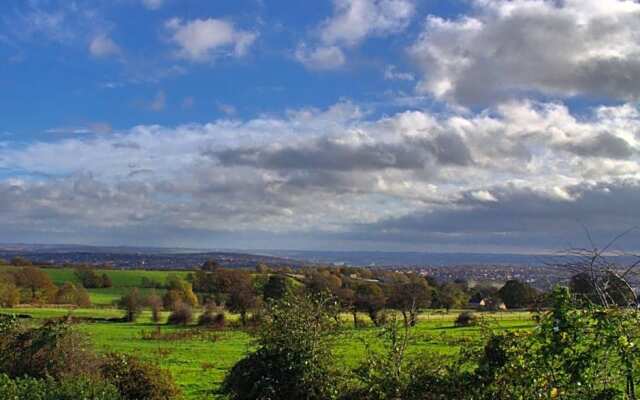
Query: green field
[(123, 281), (200, 363)]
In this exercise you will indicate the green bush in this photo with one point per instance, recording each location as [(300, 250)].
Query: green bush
[(49, 389), (139, 380), (294, 358), (467, 318)]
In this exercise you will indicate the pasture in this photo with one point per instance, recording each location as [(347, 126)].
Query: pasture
[(200, 361)]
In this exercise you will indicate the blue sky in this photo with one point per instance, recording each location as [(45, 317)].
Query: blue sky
[(471, 125)]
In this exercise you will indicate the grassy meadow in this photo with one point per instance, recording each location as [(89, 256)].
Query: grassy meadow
[(199, 361)]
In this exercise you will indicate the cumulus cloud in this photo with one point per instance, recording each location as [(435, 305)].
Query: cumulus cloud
[(103, 46), (204, 40), (355, 20), (508, 48), (352, 22), (340, 173)]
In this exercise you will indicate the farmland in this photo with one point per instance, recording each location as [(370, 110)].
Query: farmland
[(200, 359)]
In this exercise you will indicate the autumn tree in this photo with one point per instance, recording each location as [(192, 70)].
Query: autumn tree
[(410, 297), (370, 298), (132, 304)]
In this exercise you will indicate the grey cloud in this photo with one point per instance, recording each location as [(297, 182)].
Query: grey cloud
[(333, 154), (603, 145), (507, 49)]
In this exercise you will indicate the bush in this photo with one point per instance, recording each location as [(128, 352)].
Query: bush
[(294, 358), (136, 379), (51, 350), (49, 389), (467, 318), (212, 319), (182, 315)]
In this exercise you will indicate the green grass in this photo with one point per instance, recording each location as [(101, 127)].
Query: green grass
[(199, 364)]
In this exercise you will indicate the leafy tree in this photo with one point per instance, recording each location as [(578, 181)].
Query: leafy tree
[(181, 315), (370, 299), (132, 304), (516, 294), (210, 266), (320, 282), (155, 303), (38, 283), (294, 358), (276, 288), (70, 294), (242, 295), (410, 297), (451, 296)]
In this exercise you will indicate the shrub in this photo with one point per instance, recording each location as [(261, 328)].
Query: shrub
[(212, 319), (136, 379), (49, 389), (467, 318), (182, 315), (51, 350), (294, 358)]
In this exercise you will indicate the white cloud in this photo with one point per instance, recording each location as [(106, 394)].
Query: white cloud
[(204, 40), (330, 57), (352, 22), (333, 170), (355, 20), (153, 4), (391, 73), (506, 48), (102, 46)]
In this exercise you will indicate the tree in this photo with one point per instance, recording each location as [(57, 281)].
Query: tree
[(37, 282), (516, 294), (242, 295), (276, 287), (613, 288), (210, 266), (179, 291), (323, 282), (294, 358), (132, 304), (155, 303), (451, 296), (370, 299), (106, 281), (71, 294), (409, 298), (9, 294)]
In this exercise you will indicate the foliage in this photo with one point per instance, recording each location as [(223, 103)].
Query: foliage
[(138, 380), (516, 294), (50, 389), (294, 359), (90, 279), (370, 298), (467, 318), (132, 304), (451, 295), (71, 294), (276, 288), (181, 315), (51, 350)]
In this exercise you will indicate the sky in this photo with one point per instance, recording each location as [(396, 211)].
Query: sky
[(396, 125)]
